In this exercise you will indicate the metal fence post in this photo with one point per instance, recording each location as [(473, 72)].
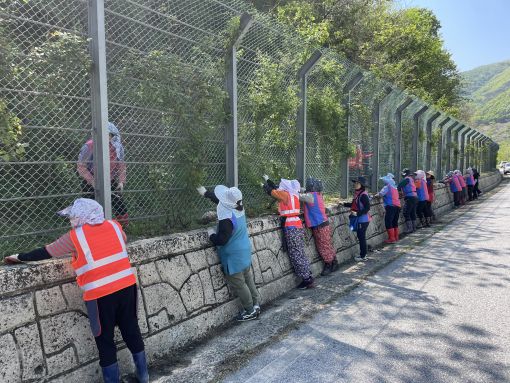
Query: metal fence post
[(456, 137), (301, 117), (416, 119), (376, 120), (348, 88), (398, 134), (462, 147), (231, 77), (469, 159), (428, 147), (439, 163), (99, 106), (449, 144)]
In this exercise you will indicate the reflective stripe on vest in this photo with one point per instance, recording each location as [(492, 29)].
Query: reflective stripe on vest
[(287, 210), (100, 277)]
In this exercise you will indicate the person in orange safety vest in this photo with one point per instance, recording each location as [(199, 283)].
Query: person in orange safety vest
[(104, 274), (287, 195)]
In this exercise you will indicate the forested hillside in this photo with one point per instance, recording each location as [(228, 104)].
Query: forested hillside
[(488, 90)]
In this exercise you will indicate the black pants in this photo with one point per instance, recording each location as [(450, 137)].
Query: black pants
[(362, 238), (391, 216), (456, 198), (470, 192), (118, 205), (428, 209), (420, 209), (118, 309), (410, 208), (476, 191)]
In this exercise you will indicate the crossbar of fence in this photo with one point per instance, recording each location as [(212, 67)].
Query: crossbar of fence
[(201, 92)]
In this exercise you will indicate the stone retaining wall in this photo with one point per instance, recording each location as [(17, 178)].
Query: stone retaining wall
[(44, 330)]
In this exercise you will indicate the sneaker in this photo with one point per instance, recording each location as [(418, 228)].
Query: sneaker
[(360, 259), (327, 269), (306, 284), (257, 308), (335, 266), (246, 316)]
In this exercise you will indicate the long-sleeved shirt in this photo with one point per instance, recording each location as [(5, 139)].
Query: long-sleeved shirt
[(225, 226), (62, 247)]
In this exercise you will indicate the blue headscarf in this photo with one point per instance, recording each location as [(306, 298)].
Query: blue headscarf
[(388, 180)]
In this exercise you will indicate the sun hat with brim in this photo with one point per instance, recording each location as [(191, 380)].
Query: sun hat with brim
[(84, 211), (361, 180), (228, 198), (431, 172)]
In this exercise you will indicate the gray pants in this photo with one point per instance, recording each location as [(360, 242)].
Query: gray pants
[(243, 285)]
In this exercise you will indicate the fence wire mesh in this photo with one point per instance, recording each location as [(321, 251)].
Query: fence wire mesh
[(167, 64)]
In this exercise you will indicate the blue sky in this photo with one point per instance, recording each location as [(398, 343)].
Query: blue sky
[(476, 32)]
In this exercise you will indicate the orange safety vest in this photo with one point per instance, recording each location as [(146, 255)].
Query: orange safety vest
[(102, 265), (291, 210)]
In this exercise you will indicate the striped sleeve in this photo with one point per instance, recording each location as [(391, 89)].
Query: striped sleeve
[(61, 247)]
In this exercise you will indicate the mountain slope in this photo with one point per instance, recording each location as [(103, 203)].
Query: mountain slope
[(476, 78), (488, 88)]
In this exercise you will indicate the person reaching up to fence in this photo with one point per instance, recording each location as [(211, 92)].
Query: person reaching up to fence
[(287, 195), (476, 188), (423, 196), (234, 247), (470, 182), (429, 212), (462, 182), (455, 187), (317, 220), (117, 173), (391, 202), (408, 189), (100, 261), (360, 215)]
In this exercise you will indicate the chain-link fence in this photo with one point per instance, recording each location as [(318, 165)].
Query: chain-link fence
[(201, 92)]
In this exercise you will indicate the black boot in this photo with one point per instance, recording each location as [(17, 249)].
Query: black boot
[(334, 265), (326, 270)]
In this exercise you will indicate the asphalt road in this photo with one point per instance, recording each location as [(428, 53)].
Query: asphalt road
[(438, 314)]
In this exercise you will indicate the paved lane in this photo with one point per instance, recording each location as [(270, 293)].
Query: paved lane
[(440, 314)]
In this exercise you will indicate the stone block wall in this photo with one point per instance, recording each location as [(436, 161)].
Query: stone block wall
[(44, 330)]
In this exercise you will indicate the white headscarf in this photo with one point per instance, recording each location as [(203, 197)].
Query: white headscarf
[(228, 198), (116, 142), (290, 186), (420, 174), (469, 171), (84, 211)]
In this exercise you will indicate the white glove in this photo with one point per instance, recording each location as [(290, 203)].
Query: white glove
[(201, 190), (210, 231), (266, 177), (12, 259), (120, 187)]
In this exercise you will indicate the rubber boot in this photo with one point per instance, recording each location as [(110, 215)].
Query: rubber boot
[(391, 236), (142, 374), (111, 373), (334, 265), (397, 234), (409, 227), (414, 226)]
